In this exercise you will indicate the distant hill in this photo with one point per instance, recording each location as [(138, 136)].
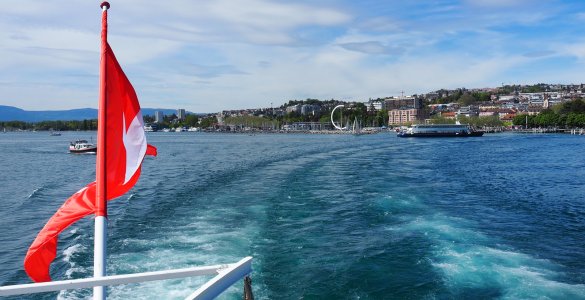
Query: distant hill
[(10, 113)]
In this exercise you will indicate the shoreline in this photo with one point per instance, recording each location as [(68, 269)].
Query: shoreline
[(572, 131)]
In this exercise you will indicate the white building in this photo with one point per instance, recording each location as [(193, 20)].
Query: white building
[(294, 108), (375, 105), (220, 118), (181, 113), (158, 116), (468, 111)]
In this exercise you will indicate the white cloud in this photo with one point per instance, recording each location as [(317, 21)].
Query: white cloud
[(263, 14), (211, 55), (131, 50), (372, 47), (32, 7), (255, 21), (576, 50), (335, 73), (52, 38)]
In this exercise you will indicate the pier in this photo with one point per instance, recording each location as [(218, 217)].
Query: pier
[(574, 131)]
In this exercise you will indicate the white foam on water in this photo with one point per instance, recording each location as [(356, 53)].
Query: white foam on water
[(514, 274), (70, 251), (68, 254), (200, 242), (398, 204), (468, 260), (34, 192), (72, 295)]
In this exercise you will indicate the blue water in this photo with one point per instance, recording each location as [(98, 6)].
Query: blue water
[(324, 216)]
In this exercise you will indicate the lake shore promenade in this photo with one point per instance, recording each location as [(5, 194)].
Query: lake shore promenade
[(367, 131)]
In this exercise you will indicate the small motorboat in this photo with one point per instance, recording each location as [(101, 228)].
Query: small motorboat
[(82, 146)]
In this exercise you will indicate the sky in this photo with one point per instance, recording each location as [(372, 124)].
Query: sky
[(213, 55)]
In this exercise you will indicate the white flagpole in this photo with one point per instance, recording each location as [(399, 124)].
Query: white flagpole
[(99, 252), (99, 258)]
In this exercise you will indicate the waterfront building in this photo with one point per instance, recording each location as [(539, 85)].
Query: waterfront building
[(278, 112), (532, 110), (404, 116), (488, 112), (309, 109), (293, 108), (507, 117), (375, 105), (402, 103), (507, 98), (404, 110), (546, 102), (439, 107), (181, 114), (220, 119), (468, 111), (448, 115), (158, 116)]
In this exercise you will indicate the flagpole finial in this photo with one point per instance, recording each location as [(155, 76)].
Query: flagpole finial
[(106, 4)]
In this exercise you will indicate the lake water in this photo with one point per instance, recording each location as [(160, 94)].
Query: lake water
[(324, 216)]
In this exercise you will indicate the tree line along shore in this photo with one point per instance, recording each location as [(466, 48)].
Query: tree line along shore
[(566, 115)]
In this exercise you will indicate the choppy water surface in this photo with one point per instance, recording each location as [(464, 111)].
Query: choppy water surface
[(324, 216)]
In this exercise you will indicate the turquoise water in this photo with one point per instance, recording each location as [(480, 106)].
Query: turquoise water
[(324, 216)]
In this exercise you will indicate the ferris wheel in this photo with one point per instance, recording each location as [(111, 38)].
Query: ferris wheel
[(333, 122)]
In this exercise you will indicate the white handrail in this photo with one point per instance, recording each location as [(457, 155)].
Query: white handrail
[(223, 281), (229, 273)]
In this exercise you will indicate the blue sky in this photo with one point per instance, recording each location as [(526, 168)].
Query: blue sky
[(211, 55)]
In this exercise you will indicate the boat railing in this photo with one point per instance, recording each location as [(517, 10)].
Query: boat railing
[(225, 276)]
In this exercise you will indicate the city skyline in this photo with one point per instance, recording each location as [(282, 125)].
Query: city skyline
[(217, 55)]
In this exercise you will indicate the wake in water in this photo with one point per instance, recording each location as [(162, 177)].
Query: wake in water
[(337, 218), (67, 257), (474, 266)]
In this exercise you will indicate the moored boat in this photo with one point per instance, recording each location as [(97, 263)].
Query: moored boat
[(150, 128), (440, 130), (82, 146)]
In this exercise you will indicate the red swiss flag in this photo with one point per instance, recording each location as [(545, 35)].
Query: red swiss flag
[(125, 149)]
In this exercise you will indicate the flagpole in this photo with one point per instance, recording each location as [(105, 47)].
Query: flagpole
[(99, 258)]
